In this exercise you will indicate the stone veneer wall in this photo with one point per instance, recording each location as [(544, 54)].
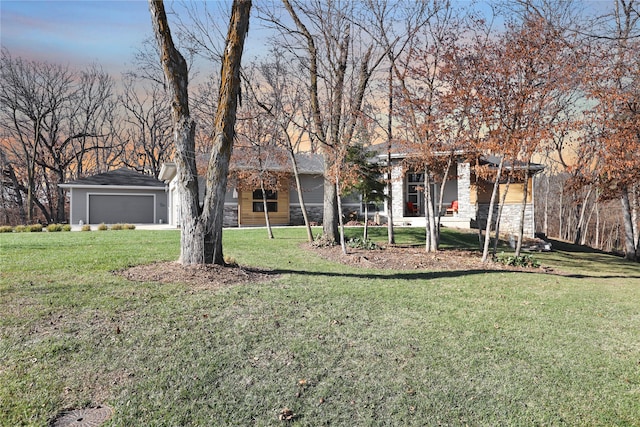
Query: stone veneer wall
[(230, 216), (510, 221), (314, 212)]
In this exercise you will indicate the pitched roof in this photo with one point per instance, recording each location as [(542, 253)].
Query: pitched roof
[(310, 163), (119, 177)]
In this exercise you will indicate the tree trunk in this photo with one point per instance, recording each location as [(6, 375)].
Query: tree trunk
[(431, 237), (390, 233), (303, 208), (633, 200), (201, 234), (343, 243), (330, 206), (545, 227), (630, 248), (365, 232), (487, 234), (441, 198), (560, 209), (498, 220), (597, 238), (581, 217), (224, 127), (265, 206), (523, 209)]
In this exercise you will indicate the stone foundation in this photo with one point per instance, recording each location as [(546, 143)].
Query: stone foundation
[(230, 216), (510, 221), (314, 212)]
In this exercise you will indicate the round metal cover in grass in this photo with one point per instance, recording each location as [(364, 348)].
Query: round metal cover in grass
[(87, 417)]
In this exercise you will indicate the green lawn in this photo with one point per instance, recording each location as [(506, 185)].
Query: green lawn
[(336, 345)]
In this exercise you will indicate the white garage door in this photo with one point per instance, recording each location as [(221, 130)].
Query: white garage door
[(116, 208)]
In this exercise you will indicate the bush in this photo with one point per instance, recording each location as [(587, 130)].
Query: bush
[(66, 227), (86, 227), (54, 227), (6, 229), (117, 227), (518, 261), (129, 227), (103, 227), (35, 228), (359, 243), (20, 228)]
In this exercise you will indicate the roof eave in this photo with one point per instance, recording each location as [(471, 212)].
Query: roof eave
[(119, 187)]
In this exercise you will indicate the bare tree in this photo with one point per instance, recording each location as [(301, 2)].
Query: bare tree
[(201, 237), (274, 88), (613, 81), (52, 117), (339, 62), (147, 136)]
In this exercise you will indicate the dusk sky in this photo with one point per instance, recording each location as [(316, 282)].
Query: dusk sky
[(81, 32), (77, 33)]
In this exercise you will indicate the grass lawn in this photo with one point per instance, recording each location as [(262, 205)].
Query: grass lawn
[(335, 345)]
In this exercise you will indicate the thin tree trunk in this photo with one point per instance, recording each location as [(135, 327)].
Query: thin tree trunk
[(545, 227), (265, 206), (365, 233), (445, 175), (581, 217), (343, 243), (431, 241), (630, 248), (585, 233), (523, 209), (487, 235), (499, 219), (561, 208), (303, 207), (390, 232), (633, 200), (597, 238)]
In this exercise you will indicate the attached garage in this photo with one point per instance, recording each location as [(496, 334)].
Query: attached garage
[(119, 196)]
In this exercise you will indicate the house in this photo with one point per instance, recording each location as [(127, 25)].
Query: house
[(244, 207), (466, 195), (119, 196)]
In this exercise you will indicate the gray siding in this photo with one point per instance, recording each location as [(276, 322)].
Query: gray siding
[(312, 188), (116, 205)]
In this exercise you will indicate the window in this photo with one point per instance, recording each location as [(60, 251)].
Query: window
[(415, 184), (258, 205)]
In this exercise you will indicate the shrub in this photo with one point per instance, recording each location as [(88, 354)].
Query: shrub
[(35, 228), (86, 227), (54, 227), (20, 228), (103, 227), (129, 226), (322, 241), (117, 227), (526, 260), (359, 243), (66, 227), (6, 229)]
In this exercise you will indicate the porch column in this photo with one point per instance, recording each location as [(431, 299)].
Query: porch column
[(464, 191), (397, 184)]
